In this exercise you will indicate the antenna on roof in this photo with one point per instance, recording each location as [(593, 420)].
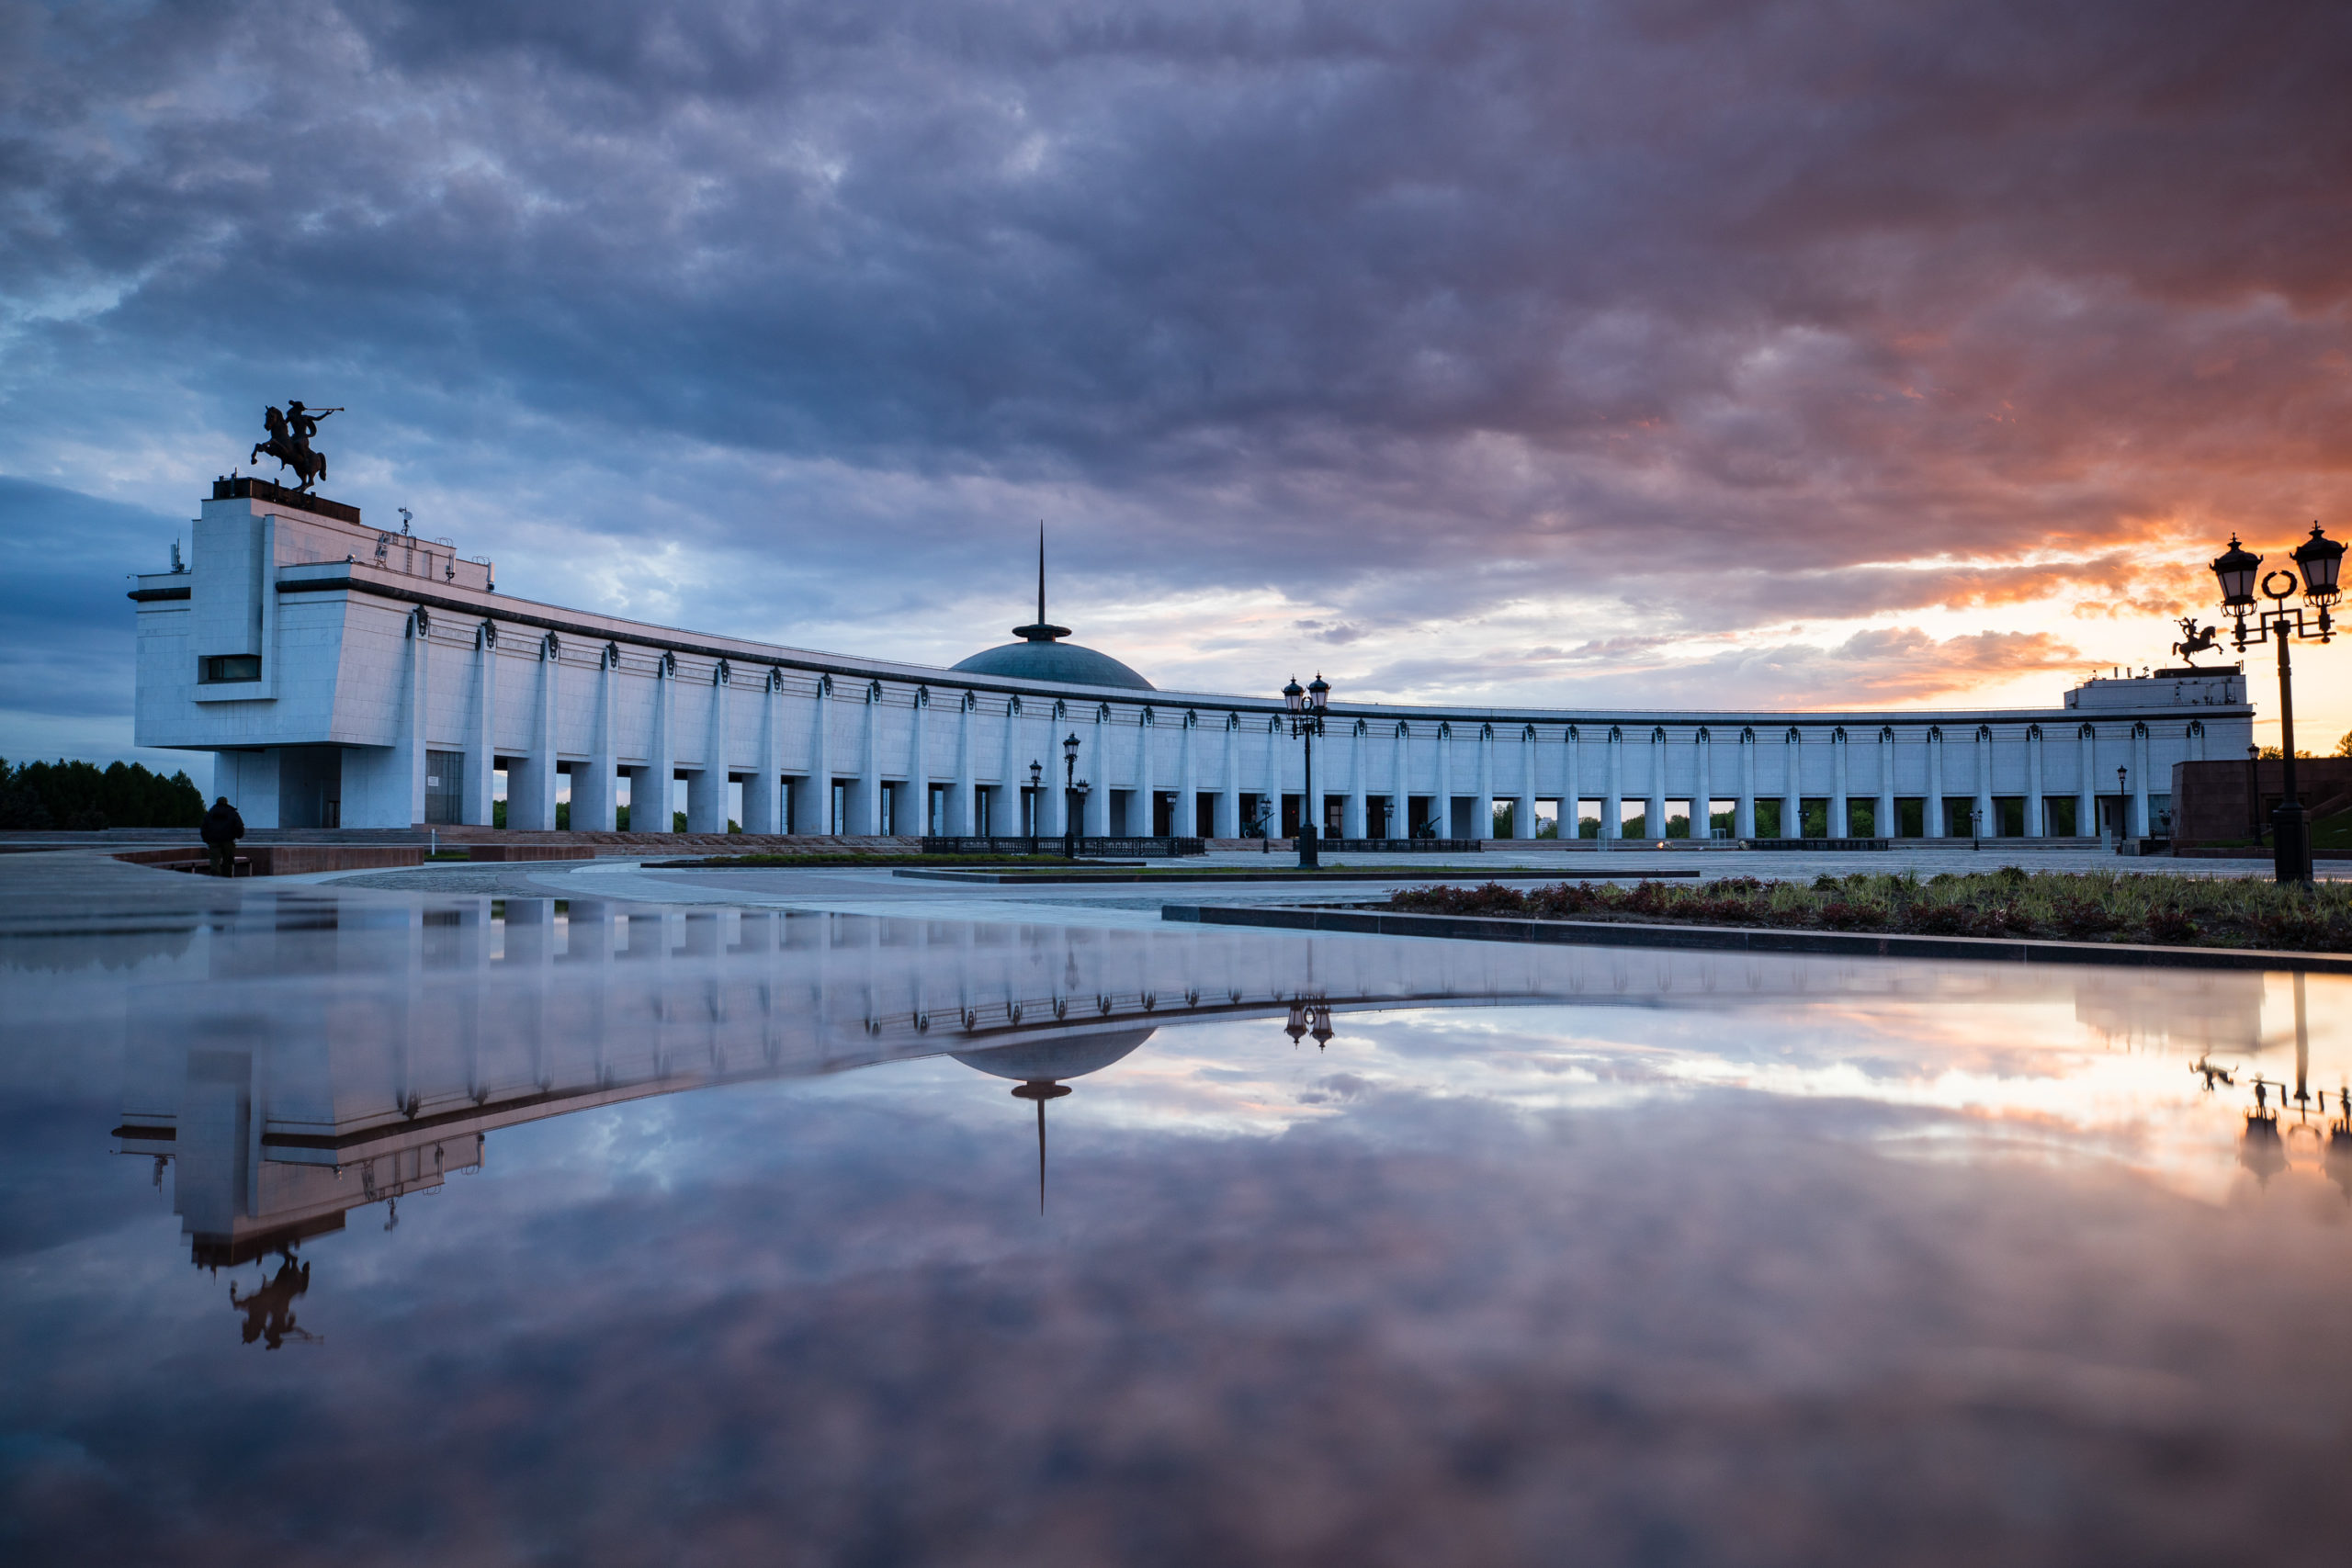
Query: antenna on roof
[(1041, 571)]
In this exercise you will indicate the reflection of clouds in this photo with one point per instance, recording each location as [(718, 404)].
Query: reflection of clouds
[(1659, 1253)]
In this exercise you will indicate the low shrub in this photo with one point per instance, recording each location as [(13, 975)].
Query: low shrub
[(2006, 901)]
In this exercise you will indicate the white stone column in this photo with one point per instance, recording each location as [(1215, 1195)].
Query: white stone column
[(482, 730), (2034, 825), (1483, 821), (1933, 820), (1015, 771), (917, 793), (408, 771), (1613, 804), (1883, 824), (1702, 783), (1187, 816), (530, 799), (706, 786), (1444, 779), (962, 811), (595, 792), (1053, 810), (867, 817), (1524, 812), (1986, 826), (1095, 765), (1400, 802), (1743, 822), (1839, 818), (812, 803), (1653, 809), (1357, 823), (2140, 765), (1144, 804), (1792, 785), (1571, 783), (2087, 784), (1228, 802), (764, 787), (1277, 739)]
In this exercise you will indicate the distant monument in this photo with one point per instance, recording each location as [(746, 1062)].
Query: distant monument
[(290, 433)]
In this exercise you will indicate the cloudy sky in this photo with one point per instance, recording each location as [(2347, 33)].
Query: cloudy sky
[(1669, 352)]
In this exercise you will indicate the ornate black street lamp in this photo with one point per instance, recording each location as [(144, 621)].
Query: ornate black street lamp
[(1037, 781), (2318, 558), (1307, 705), (1069, 789)]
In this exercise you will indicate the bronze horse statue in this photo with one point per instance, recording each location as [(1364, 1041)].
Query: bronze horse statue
[(2193, 641), (289, 442)]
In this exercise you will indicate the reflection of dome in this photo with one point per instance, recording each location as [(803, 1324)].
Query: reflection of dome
[(1043, 1061), (1040, 660)]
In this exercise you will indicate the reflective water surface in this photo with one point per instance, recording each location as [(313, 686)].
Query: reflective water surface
[(398, 1231)]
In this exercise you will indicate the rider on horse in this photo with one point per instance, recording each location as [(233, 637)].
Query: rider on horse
[(290, 441)]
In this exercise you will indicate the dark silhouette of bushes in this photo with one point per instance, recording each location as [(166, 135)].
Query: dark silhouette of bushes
[(82, 796), (2075, 907)]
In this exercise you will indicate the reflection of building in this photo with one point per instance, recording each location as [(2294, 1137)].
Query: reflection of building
[(367, 1051), (349, 676), (343, 1052)]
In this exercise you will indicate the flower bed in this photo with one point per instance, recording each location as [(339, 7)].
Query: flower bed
[(2064, 905)]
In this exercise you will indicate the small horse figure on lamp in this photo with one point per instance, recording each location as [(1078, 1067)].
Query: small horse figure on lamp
[(2193, 640)]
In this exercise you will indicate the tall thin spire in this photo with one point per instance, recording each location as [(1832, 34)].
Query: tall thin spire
[(1044, 630)]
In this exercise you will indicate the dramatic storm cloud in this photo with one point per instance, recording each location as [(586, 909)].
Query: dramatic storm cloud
[(1519, 352)]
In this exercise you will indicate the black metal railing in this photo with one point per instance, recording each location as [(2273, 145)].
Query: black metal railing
[(1404, 846), (1848, 844), (1131, 849)]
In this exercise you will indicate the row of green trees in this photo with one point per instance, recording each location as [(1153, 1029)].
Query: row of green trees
[(84, 797)]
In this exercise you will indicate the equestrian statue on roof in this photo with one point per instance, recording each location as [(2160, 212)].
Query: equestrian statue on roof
[(290, 441)]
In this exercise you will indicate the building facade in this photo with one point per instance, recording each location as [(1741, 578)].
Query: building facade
[(348, 677)]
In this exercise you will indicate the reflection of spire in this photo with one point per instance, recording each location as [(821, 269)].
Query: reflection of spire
[(1040, 1091)]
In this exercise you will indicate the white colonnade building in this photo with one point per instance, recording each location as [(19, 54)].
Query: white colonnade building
[(350, 678)]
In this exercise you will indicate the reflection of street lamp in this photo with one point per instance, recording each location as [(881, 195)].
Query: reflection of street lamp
[(1307, 706), (1069, 788), (2319, 558), (1310, 1018)]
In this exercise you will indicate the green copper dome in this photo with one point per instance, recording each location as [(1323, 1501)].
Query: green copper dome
[(1040, 655), (1039, 660)]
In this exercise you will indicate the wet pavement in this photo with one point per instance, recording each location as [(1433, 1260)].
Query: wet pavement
[(998, 1225)]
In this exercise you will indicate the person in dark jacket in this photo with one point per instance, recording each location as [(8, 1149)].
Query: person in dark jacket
[(222, 829)]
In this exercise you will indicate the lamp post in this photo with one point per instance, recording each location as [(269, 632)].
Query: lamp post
[(1305, 705), (1036, 779), (2123, 808), (1069, 788), (2318, 558)]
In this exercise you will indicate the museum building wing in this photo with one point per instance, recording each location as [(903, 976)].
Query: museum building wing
[(346, 676)]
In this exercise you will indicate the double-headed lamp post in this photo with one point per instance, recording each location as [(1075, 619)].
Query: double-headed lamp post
[(1307, 705), (1069, 788), (2318, 558)]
